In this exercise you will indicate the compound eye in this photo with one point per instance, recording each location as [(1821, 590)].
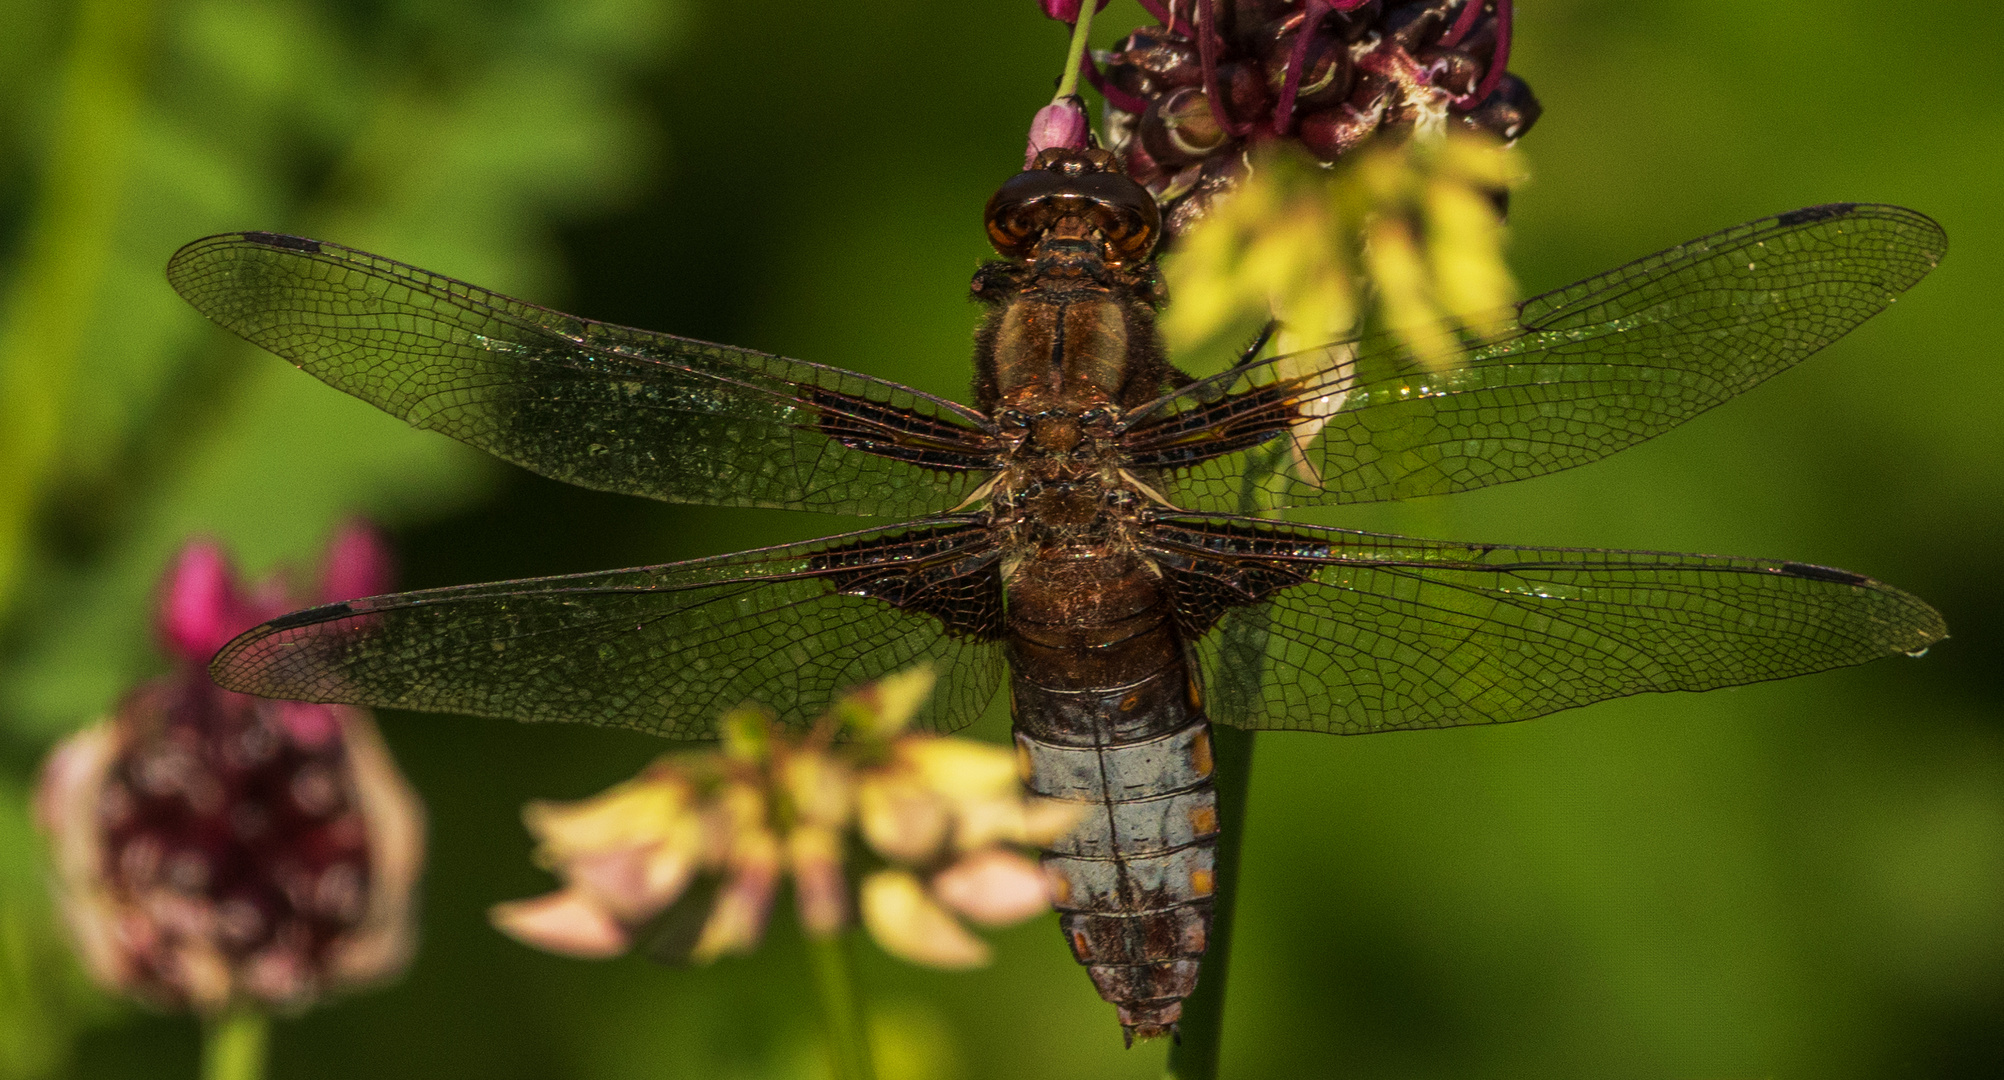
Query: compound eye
[(1125, 214), (1027, 204), (1012, 420)]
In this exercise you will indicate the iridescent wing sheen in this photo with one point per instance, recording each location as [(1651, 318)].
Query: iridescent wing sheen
[(589, 403), (660, 649), (1577, 375), (1351, 632)]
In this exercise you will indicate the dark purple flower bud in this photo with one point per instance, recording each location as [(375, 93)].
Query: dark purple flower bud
[(1152, 60), (1067, 11), (1325, 69), (1243, 87), (215, 849), (1358, 21), (1216, 178), (1508, 112), (1256, 23), (1331, 133), (1061, 125), (1451, 70), (1412, 26), (1181, 128)]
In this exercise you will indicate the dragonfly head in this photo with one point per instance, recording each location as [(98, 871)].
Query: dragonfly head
[(1071, 195)]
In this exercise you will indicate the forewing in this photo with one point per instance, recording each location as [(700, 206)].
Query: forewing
[(600, 406), (660, 649), (1317, 629), (1580, 373)]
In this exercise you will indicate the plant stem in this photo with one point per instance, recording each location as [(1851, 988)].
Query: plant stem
[(1195, 1054), (1236, 699), (233, 1045), (841, 1008), (1069, 85), (65, 252)]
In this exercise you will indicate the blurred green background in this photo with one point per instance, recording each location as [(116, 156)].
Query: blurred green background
[(1789, 880)]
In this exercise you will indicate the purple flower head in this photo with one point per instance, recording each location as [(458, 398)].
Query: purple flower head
[(1191, 99)]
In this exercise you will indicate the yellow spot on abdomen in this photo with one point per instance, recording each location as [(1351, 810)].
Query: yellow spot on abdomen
[(1204, 820)]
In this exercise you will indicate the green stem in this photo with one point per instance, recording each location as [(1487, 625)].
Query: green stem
[(65, 252), (1195, 1054), (233, 1045), (841, 1008), (1069, 84)]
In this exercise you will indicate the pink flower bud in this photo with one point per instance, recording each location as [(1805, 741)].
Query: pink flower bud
[(619, 882), (738, 920), (993, 887), (567, 922), (358, 564), (1060, 125), (202, 606), (814, 855)]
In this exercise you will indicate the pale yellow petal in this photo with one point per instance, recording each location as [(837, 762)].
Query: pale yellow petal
[(818, 787), (962, 769), (1465, 250), (884, 708), (910, 925), (1045, 821), (900, 818), (637, 812), (738, 920)]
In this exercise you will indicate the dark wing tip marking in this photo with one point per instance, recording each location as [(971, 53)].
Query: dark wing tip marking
[(1815, 213), (280, 240), (1821, 573), (309, 616)]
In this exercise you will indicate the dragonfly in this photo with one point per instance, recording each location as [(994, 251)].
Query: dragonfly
[(1086, 530)]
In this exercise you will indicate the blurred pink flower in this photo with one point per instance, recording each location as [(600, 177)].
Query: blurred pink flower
[(212, 848)]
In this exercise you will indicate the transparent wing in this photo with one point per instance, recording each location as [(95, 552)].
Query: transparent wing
[(592, 404), (1351, 632), (1583, 372), (661, 649)]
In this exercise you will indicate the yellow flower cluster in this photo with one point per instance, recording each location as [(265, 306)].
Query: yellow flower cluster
[(685, 859), (1414, 222)]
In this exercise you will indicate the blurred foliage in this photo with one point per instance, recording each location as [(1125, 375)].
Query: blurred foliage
[(1804, 878), (1415, 220)]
